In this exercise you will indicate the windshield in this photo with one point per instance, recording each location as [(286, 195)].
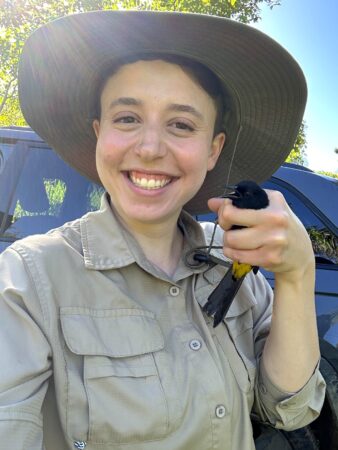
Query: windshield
[(39, 191)]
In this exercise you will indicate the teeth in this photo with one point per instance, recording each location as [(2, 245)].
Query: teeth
[(149, 183)]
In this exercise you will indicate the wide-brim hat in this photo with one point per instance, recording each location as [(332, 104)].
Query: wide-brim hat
[(265, 88)]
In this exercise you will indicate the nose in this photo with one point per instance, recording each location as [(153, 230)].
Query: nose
[(151, 145)]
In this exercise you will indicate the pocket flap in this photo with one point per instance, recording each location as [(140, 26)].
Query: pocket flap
[(120, 370), (115, 333)]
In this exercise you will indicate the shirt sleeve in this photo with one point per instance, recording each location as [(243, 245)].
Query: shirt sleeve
[(284, 410), (25, 356)]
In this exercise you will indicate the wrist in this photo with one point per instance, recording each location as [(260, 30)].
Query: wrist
[(303, 274)]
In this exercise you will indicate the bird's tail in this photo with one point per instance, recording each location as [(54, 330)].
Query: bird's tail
[(220, 299)]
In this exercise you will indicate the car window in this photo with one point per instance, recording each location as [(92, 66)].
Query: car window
[(39, 191), (2, 160), (4, 155), (324, 240)]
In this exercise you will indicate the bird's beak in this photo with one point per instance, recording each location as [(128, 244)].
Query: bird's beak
[(233, 194)]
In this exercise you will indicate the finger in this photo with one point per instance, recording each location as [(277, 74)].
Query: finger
[(244, 239), (215, 204), (229, 214), (256, 257), (243, 256)]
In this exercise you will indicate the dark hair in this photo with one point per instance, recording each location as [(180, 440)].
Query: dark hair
[(197, 71)]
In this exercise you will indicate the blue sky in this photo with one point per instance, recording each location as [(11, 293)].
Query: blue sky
[(308, 29)]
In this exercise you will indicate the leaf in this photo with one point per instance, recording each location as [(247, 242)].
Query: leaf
[(18, 19)]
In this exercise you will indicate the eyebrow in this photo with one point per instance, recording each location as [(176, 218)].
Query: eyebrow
[(131, 101), (125, 101), (185, 108)]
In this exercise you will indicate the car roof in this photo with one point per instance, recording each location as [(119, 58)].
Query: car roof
[(321, 190), (14, 133)]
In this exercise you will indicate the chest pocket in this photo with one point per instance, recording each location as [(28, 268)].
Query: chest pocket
[(115, 394)]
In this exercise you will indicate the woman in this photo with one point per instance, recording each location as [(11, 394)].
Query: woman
[(163, 110)]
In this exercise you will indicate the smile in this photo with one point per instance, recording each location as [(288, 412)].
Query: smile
[(148, 181)]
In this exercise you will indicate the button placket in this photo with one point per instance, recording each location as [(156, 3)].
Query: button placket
[(195, 344), (174, 291), (220, 411), (80, 444)]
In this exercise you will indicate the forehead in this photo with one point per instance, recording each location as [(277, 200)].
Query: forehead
[(149, 69), (154, 77)]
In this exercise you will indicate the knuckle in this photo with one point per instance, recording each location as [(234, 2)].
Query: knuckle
[(224, 224), (279, 241), (230, 239), (277, 196), (274, 258), (279, 218), (224, 217)]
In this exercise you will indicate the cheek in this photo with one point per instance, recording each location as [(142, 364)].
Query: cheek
[(108, 148), (195, 163), (198, 159), (105, 162)]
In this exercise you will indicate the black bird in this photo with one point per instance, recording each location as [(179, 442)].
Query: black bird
[(246, 195)]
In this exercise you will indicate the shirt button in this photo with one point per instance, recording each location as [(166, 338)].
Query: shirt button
[(220, 411), (80, 444), (195, 344), (174, 291)]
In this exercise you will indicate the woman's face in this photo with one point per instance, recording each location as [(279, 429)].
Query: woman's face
[(155, 140)]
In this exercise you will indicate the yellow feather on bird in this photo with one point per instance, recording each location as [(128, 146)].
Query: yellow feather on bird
[(246, 195)]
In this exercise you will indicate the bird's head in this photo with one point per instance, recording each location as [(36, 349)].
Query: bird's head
[(248, 195)]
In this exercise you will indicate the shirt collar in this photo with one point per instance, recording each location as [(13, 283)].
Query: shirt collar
[(108, 245), (104, 246)]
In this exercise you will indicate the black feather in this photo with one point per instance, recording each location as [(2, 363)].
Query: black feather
[(246, 195)]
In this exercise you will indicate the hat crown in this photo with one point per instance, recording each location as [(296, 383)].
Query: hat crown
[(265, 87)]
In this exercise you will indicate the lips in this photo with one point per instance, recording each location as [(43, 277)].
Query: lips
[(149, 181)]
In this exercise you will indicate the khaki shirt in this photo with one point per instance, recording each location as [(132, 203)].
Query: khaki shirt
[(131, 360)]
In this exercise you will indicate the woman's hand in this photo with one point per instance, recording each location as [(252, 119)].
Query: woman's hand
[(274, 238)]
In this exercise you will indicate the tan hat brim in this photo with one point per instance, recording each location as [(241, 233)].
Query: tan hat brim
[(62, 61)]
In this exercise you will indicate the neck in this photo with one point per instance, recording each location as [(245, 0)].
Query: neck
[(162, 249), (161, 242)]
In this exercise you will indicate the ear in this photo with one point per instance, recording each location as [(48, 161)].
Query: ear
[(215, 150), (96, 126)]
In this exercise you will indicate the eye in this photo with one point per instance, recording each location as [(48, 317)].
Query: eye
[(125, 119), (180, 125)]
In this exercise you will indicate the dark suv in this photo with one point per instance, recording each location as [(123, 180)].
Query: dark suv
[(38, 191)]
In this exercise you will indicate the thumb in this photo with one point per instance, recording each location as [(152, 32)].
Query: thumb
[(215, 203)]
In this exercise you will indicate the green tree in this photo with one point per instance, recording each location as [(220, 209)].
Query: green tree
[(19, 18), (329, 174), (298, 153)]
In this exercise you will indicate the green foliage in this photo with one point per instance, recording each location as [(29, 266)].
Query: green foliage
[(328, 174), (298, 153), (19, 18), (324, 243), (95, 198), (242, 10), (55, 190)]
